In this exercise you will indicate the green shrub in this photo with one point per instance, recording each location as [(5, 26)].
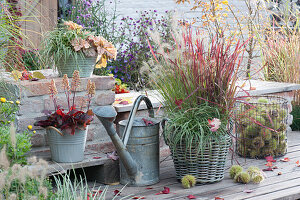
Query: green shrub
[(17, 145), (296, 118)]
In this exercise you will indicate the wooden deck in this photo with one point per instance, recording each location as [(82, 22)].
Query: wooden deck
[(285, 186)]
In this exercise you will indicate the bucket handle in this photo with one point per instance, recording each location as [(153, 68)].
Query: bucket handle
[(53, 128), (133, 111)]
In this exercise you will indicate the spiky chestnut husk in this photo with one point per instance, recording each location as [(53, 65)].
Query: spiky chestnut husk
[(273, 144), (188, 181), (242, 177), (258, 178), (262, 100), (252, 130), (258, 143), (260, 119), (252, 170), (282, 114), (234, 170), (266, 134), (254, 153), (266, 151)]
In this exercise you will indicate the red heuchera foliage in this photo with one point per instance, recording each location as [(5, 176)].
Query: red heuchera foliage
[(74, 118)]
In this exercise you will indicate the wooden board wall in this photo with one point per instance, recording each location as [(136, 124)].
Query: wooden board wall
[(39, 16)]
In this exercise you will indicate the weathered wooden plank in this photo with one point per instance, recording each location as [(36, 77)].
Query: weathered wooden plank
[(286, 194)]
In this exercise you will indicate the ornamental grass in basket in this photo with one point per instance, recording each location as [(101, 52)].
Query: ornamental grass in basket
[(73, 117), (197, 80)]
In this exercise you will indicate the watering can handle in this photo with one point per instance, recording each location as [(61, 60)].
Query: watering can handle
[(132, 115)]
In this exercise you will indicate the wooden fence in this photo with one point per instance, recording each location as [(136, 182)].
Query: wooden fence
[(39, 16)]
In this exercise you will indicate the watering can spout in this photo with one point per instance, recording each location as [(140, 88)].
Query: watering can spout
[(107, 115)]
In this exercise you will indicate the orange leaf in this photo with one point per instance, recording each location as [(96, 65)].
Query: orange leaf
[(252, 88)]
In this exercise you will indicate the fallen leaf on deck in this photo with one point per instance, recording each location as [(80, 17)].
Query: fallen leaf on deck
[(138, 197), (286, 159), (147, 122), (117, 192), (191, 197), (279, 173), (113, 156), (149, 188), (270, 159), (298, 164), (219, 198), (165, 191), (248, 191), (269, 165), (96, 157), (252, 88), (124, 103)]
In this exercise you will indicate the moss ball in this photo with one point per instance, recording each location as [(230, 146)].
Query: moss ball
[(188, 181), (242, 177), (234, 170)]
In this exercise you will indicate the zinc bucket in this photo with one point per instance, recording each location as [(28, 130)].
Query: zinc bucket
[(67, 148), (85, 66)]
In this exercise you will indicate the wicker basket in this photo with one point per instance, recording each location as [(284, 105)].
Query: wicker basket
[(206, 167)]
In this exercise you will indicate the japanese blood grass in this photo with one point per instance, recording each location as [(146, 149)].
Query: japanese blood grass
[(191, 127), (197, 80), (197, 71)]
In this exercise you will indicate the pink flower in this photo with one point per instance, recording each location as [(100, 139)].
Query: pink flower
[(215, 124)]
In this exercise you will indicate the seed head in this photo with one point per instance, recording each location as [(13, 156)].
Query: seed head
[(92, 89), (75, 80), (52, 88), (66, 83)]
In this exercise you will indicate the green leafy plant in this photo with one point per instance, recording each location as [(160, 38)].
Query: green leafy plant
[(71, 41), (17, 145), (8, 111)]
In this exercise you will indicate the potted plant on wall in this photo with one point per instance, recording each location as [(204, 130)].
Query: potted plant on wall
[(67, 130), (196, 79), (71, 48)]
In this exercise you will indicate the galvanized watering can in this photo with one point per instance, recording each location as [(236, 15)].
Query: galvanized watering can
[(138, 147)]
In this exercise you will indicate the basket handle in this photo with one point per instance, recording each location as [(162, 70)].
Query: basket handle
[(53, 128)]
